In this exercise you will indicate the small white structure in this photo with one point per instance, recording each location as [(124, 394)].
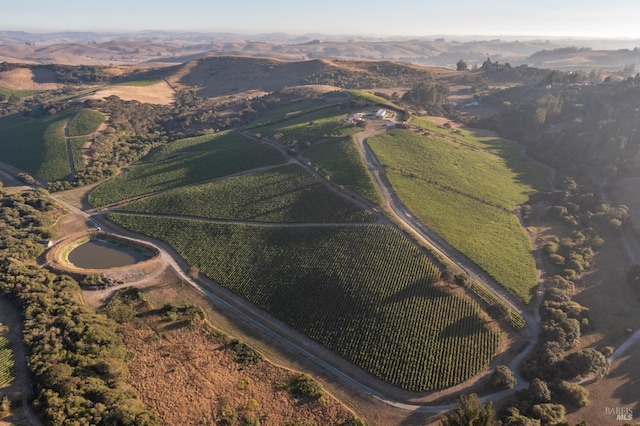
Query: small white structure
[(381, 113)]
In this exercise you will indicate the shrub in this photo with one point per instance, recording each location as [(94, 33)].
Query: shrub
[(502, 378), (549, 414), (304, 386), (243, 354), (498, 311), (573, 393)]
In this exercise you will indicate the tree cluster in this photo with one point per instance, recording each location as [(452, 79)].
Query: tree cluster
[(428, 96)]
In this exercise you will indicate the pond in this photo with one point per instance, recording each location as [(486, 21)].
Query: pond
[(105, 254)]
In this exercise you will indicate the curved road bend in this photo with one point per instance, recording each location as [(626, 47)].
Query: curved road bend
[(304, 349), (297, 347)]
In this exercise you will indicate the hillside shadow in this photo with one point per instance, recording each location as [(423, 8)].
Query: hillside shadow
[(520, 164)]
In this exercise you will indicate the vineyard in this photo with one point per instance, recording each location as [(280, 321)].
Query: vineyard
[(467, 193), (340, 159), (270, 116), (85, 122), (488, 178), (76, 149), (6, 362), (324, 123), (36, 145), (185, 162), (365, 292), (490, 237), (284, 194)]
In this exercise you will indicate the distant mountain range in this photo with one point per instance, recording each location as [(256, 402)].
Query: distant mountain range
[(155, 48)]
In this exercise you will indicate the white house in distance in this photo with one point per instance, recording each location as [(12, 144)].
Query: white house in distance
[(381, 113)]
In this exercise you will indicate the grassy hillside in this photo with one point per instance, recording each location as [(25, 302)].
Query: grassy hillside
[(466, 188), (85, 122), (340, 159), (36, 145), (364, 291), (187, 161), (283, 194), (490, 178), (490, 237)]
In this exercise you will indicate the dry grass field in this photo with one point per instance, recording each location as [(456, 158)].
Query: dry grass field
[(186, 374), (159, 93), (26, 79)]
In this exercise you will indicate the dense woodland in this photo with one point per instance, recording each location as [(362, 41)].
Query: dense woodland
[(574, 122), (77, 361)]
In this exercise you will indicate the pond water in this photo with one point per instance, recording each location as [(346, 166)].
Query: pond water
[(101, 254)]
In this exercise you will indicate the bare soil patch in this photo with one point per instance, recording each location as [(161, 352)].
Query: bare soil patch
[(186, 375), (160, 93)]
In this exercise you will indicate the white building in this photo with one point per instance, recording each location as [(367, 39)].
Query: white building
[(381, 113)]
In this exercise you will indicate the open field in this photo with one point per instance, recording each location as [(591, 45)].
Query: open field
[(6, 362), (187, 161), (303, 128), (36, 145), (285, 194), (494, 179), (157, 93), (25, 79), (364, 291), (340, 159)]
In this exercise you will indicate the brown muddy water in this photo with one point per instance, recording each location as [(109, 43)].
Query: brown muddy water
[(105, 254)]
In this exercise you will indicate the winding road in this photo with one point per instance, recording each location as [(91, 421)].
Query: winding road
[(306, 347)]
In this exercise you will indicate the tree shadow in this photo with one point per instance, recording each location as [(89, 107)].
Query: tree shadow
[(463, 327), (421, 288)]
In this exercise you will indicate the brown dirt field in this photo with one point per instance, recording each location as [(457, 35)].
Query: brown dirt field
[(614, 308), (613, 303), (620, 389), (160, 93), (187, 377), (26, 79)]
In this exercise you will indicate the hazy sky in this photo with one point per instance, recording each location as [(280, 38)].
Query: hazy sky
[(613, 18)]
